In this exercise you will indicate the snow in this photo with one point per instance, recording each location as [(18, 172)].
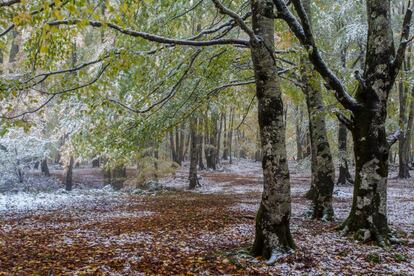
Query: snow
[(21, 203)]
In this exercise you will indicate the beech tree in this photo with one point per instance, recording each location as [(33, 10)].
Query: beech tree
[(368, 217)]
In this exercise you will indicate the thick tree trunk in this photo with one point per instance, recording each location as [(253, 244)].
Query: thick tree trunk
[(344, 177), (368, 217), (323, 171), (273, 235), (193, 178), (68, 174)]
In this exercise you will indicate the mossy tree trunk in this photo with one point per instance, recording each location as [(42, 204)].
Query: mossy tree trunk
[(323, 170), (368, 217), (344, 177), (273, 235)]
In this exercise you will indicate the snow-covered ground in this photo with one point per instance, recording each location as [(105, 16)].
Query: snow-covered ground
[(121, 221)]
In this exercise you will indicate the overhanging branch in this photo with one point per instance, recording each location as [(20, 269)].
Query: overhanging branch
[(153, 37), (303, 32)]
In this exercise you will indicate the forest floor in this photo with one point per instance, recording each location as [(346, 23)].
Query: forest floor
[(173, 231)]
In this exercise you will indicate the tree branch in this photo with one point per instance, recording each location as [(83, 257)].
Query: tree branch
[(9, 3), (349, 123), (393, 137), (304, 34), (228, 25), (246, 113), (153, 37), (11, 27), (54, 94), (164, 99), (404, 41), (223, 10)]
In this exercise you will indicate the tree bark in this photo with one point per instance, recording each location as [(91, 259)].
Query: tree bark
[(68, 174), (193, 178), (272, 221), (344, 177), (368, 217), (230, 137), (200, 145), (225, 139), (173, 148), (323, 171), (118, 177), (220, 129), (44, 168), (404, 140), (299, 134)]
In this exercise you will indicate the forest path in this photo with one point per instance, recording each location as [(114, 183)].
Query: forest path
[(206, 231)]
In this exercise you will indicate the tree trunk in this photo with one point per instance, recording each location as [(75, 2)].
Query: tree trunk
[(219, 139), (272, 221), (181, 143), (299, 133), (230, 142), (211, 146), (200, 145), (44, 168), (344, 177), (118, 177), (68, 174), (156, 167), (405, 148), (173, 149), (368, 217), (95, 163), (225, 139), (323, 171), (404, 141), (193, 178)]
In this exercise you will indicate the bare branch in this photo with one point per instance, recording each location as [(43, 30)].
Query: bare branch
[(9, 3), (11, 27), (237, 18), (226, 25), (349, 123), (164, 99), (153, 37), (29, 111), (247, 112), (188, 10), (54, 94), (393, 137)]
